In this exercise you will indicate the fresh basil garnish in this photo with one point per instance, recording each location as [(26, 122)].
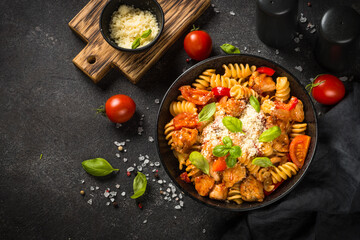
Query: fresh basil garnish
[(146, 33), (136, 43), (98, 167), (230, 49), (230, 161), (139, 185), (262, 162), (233, 124), (199, 161), (270, 134), (235, 151), (227, 142), (207, 112), (255, 103), (220, 150)]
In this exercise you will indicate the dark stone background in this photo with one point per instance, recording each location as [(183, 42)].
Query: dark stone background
[(47, 107)]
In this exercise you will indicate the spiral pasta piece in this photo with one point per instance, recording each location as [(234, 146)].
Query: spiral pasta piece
[(181, 157), (238, 71), (253, 169), (181, 107), (239, 92), (267, 149), (297, 129), (282, 89), (283, 172), (192, 171), (234, 194), (203, 81), (169, 130), (268, 184), (221, 81)]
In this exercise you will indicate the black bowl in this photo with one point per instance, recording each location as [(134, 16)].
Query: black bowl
[(113, 5), (170, 163)]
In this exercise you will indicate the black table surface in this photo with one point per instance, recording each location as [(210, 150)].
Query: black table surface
[(48, 109)]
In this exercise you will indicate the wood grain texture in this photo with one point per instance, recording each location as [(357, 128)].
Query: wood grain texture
[(98, 56)]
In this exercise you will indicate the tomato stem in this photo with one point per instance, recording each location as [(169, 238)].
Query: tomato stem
[(101, 110), (194, 28)]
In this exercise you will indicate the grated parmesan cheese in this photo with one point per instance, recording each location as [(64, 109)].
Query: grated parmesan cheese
[(129, 23), (248, 141)]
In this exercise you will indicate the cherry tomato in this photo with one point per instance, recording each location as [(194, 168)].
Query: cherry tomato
[(287, 106), (199, 97), (327, 89), (275, 187), (198, 45), (120, 108), (184, 176), (298, 149), (219, 164), (219, 92), (268, 71), (188, 120)]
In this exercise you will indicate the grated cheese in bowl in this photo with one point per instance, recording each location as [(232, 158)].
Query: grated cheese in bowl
[(128, 24)]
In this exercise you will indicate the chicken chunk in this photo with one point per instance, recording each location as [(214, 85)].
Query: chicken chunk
[(183, 139), (219, 192), (251, 190), (214, 174), (234, 107), (261, 83), (203, 184), (297, 114), (233, 175), (281, 143)]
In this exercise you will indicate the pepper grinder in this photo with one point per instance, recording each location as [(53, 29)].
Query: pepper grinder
[(338, 39), (276, 21)]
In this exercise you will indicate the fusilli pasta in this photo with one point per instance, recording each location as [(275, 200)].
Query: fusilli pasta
[(203, 81), (282, 89), (221, 81), (238, 71), (297, 129), (183, 106), (240, 92), (283, 172), (234, 194)]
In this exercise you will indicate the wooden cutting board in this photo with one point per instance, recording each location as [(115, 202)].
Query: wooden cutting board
[(98, 56)]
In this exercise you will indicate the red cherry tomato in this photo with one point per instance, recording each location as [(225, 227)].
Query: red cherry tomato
[(327, 89), (298, 149), (268, 71), (198, 45), (219, 92), (219, 164), (188, 120), (199, 97), (120, 108)]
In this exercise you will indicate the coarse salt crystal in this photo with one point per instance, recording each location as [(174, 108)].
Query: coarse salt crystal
[(232, 13), (297, 49), (151, 164), (113, 194), (117, 185), (204, 230), (92, 188), (216, 10), (117, 155), (112, 199), (181, 203), (164, 181), (297, 40), (145, 221), (143, 165), (259, 51), (180, 196), (141, 158), (151, 139), (277, 52), (344, 78), (134, 164), (301, 36), (177, 207), (118, 125), (82, 181), (174, 195), (160, 181), (108, 203), (245, 48), (154, 170), (106, 194), (127, 140), (299, 68), (154, 180), (313, 30), (90, 202), (123, 194), (147, 156), (130, 169), (125, 150), (157, 164), (146, 161), (302, 18), (157, 101), (139, 168), (96, 187), (117, 143), (125, 159)]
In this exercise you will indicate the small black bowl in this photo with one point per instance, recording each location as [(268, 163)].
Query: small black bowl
[(113, 5), (171, 164)]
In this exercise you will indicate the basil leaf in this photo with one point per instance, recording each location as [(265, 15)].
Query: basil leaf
[(139, 185), (199, 161), (98, 167), (230, 161), (270, 134), (227, 142), (207, 112), (233, 124), (146, 33), (235, 151), (136, 43), (220, 151), (262, 162), (229, 49), (255, 103)]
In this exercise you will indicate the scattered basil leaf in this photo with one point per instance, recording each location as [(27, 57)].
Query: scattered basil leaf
[(255, 103), (227, 142), (199, 161), (136, 43), (229, 49), (98, 167), (230, 161), (146, 33), (235, 151), (270, 134), (220, 151), (139, 185), (262, 162), (233, 124), (207, 112)]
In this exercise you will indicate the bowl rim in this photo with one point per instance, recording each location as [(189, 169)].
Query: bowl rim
[(264, 204), (140, 49)]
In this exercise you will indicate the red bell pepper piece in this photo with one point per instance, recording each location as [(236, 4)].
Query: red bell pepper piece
[(220, 92), (268, 71), (184, 176), (287, 106)]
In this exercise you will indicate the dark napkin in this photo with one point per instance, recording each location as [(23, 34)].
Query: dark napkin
[(326, 203)]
